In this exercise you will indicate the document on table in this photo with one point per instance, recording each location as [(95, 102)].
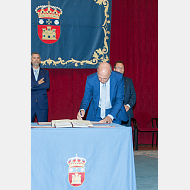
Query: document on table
[(63, 124), (71, 123), (81, 123)]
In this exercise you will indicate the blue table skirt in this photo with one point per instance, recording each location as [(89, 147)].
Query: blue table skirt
[(108, 153)]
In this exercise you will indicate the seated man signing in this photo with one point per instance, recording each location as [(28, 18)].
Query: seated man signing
[(104, 92)]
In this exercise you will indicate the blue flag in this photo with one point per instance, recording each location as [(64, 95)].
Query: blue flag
[(70, 33)]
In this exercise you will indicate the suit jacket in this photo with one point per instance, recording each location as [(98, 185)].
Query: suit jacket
[(92, 96), (39, 92), (130, 95)]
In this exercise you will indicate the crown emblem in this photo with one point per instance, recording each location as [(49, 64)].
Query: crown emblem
[(48, 23), (76, 162), (76, 171), (48, 11)]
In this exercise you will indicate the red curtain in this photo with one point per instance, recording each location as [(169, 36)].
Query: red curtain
[(134, 40), (66, 92)]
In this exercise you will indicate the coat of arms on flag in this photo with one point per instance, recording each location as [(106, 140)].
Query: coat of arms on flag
[(76, 171), (48, 23), (71, 33)]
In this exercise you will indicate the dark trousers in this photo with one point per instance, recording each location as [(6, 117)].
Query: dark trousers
[(127, 123), (42, 114)]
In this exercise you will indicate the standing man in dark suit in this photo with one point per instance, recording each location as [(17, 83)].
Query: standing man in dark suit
[(130, 95), (39, 86), (104, 95)]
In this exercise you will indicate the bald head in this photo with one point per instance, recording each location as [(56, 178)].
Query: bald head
[(104, 72)]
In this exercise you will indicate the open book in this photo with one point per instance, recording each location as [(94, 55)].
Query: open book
[(71, 123)]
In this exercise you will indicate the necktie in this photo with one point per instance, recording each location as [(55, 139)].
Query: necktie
[(103, 102), (36, 74)]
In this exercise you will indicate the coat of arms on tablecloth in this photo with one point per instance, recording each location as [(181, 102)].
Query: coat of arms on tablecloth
[(48, 23), (76, 171)]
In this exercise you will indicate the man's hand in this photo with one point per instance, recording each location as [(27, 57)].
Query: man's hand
[(41, 81), (126, 108), (107, 119), (80, 114)]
